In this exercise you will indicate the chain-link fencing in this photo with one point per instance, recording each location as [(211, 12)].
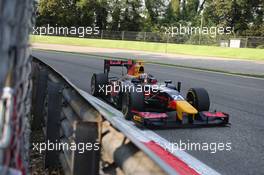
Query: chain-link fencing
[(162, 37)]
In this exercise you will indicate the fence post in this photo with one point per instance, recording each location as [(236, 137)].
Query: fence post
[(246, 42), (86, 163), (123, 34), (167, 40), (54, 100), (102, 34)]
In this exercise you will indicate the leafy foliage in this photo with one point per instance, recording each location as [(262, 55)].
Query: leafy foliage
[(246, 17)]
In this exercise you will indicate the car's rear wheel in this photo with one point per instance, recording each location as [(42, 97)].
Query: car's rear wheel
[(98, 84), (132, 101), (199, 98)]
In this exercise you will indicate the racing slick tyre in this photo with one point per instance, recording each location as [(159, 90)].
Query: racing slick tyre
[(132, 101), (98, 83), (198, 98)]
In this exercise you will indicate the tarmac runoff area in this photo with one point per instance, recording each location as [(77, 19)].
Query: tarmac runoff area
[(237, 66)]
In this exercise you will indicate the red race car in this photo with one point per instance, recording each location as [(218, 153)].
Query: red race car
[(151, 103)]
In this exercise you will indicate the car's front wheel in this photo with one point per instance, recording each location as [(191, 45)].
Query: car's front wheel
[(131, 102), (198, 98)]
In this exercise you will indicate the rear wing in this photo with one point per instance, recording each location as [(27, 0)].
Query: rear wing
[(109, 63)]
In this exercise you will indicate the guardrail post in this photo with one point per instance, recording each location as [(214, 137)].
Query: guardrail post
[(40, 85), (54, 99), (87, 162)]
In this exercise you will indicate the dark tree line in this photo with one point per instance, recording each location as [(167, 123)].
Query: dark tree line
[(246, 17)]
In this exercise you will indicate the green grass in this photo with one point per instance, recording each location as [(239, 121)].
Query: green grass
[(241, 53)]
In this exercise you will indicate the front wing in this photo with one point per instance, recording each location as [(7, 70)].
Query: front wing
[(162, 120)]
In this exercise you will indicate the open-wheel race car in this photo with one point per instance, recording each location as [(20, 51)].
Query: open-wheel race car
[(151, 103)]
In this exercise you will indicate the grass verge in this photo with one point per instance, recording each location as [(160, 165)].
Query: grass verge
[(213, 51)]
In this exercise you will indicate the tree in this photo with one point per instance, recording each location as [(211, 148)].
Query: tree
[(192, 8), (126, 15), (115, 14), (182, 11), (87, 12), (155, 10), (48, 12), (101, 12), (131, 19), (173, 13), (238, 14), (57, 12), (244, 16)]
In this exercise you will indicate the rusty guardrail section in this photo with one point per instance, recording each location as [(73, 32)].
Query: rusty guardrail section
[(67, 118)]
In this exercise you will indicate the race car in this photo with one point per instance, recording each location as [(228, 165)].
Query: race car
[(150, 103)]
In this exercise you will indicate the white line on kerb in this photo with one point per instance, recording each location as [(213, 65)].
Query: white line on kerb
[(193, 162)]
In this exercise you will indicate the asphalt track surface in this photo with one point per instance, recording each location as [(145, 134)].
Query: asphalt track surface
[(241, 97)]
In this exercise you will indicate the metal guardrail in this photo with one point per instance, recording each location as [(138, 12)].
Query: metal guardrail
[(70, 115), (67, 117)]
